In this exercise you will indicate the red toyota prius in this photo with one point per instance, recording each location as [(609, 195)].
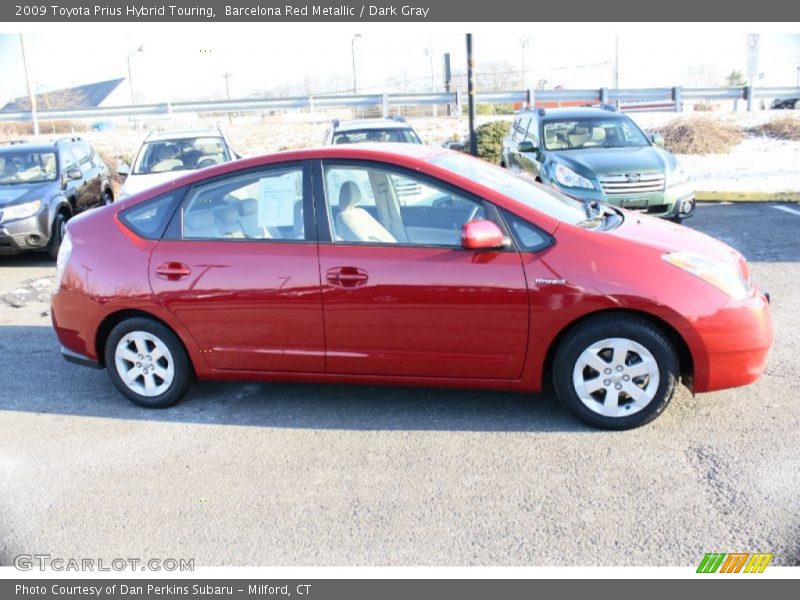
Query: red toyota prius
[(403, 265)]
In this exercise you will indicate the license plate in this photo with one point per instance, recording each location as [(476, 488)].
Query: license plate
[(635, 203)]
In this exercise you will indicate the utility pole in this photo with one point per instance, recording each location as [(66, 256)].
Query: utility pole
[(353, 52), (616, 62), (523, 42), (227, 76), (473, 140), (130, 78), (31, 95)]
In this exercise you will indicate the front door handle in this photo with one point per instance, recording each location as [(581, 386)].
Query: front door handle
[(172, 270), (346, 276)]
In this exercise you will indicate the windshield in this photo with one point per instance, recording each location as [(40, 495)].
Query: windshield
[(519, 188), (394, 135), (183, 154), (27, 167), (602, 132)]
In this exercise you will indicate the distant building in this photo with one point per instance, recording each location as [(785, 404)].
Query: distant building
[(91, 95)]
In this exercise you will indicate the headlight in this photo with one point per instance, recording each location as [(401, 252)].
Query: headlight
[(569, 178), (63, 258), (677, 177), (21, 211), (722, 276)]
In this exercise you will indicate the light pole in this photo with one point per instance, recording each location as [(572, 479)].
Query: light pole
[(31, 95), (130, 78), (523, 42), (353, 52), (798, 76)]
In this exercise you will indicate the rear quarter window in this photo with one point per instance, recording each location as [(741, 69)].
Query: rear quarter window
[(150, 218)]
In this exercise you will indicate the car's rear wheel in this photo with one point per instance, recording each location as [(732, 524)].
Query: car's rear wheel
[(147, 363), (57, 235), (616, 372)]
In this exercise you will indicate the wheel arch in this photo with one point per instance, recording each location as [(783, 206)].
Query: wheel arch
[(115, 318), (685, 360)]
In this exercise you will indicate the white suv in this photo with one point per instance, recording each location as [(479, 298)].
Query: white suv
[(166, 155), (389, 130)]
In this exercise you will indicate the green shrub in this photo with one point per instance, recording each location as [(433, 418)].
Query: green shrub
[(490, 139)]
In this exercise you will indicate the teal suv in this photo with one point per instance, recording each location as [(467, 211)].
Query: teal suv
[(598, 155)]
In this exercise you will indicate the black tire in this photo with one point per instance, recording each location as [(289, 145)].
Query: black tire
[(107, 198), (797, 104), (57, 236), (629, 328), (677, 220), (177, 354)]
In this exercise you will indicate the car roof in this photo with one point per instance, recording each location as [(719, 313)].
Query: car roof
[(40, 145), (181, 134), (370, 124)]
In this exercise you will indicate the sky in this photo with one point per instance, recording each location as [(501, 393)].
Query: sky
[(188, 61)]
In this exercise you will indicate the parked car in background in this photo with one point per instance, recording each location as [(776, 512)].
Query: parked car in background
[(389, 130), (790, 103), (165, 155), (598, 155), (42, 185), (308, 266)]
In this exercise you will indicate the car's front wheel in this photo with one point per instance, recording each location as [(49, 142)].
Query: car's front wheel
[(57, 236), (147, 363), (616, 372)]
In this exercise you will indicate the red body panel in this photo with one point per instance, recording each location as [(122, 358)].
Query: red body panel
[(250, 305), (401, 315), (432, 312)]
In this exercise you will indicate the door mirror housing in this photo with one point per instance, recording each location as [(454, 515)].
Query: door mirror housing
[(526, 146), (72, 174), (123, 170), (481, 235)]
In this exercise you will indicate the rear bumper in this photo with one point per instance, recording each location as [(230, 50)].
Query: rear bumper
[(736, 340), (79, 359)]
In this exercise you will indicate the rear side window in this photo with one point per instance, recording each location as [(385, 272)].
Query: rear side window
[(149, 219)]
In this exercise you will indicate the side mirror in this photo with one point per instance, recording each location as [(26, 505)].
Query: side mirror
[(657, 139), (123, 170), (481, 235), (526, 146), (73, 173)]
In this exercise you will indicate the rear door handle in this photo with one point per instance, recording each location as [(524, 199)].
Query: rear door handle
[(172, 270), (346, 276)]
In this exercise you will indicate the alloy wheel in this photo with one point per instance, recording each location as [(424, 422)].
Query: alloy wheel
[(616, 377)]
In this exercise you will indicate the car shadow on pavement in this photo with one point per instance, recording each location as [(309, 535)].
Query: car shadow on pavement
[(27, 259), (34, 378)]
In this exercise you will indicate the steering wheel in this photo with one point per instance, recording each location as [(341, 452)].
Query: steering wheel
[(206, 163)]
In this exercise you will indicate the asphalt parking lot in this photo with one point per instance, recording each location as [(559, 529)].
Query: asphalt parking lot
[(283, 474)]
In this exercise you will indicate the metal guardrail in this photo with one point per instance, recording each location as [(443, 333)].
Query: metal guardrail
[(674, 95)]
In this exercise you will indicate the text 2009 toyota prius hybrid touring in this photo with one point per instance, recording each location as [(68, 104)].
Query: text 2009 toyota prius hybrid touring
[(311, 266)]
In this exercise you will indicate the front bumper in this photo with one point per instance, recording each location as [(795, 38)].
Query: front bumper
[(22, 235), (675, 202), (736, 340)]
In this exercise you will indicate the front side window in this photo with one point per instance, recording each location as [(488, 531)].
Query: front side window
[(520, 128), (27, 167), (183, 154), (379, 205), (267, 205)]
